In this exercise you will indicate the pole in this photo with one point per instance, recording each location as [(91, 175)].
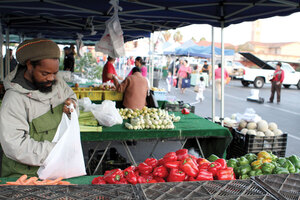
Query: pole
[(222, 77), (7, 54), (213, 74), (1, 55)]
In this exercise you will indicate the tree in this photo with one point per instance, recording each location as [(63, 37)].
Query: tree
[(167, 35), (193, 39), (246, 47), (87, 64), (177, 37), (203, 39)]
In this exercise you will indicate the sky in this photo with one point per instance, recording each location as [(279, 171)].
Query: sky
[(273, 30)]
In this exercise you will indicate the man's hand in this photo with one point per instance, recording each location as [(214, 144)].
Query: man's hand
[(67, 103)]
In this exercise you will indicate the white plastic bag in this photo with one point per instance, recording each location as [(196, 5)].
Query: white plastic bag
[(107, 114), (105, 44), (66, 158)]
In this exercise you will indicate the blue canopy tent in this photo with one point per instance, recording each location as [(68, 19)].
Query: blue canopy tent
[(63, 19), (202, 51)]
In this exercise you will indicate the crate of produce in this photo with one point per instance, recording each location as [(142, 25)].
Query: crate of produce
[(93, 95), (160, 95), (112, 95), (177, 106), (244, 143)]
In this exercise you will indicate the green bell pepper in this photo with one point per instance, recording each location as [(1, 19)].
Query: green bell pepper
[(267, 168), (251, 157), (289, 166), (232, 163), (256, 164), (212, 158), (297, 171), (295, 160), (273, 157), (243, 161), (252, 173), (244, 176), (244, 169), (258, 172), (281, 170), (281, 161)]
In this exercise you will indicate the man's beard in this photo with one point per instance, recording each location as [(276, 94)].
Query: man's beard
[(41, 86)]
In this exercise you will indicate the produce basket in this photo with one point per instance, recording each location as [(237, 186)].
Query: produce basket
[(236, 189), (95, 95), (178, 106), (242, 144), (112, 95), (286, 185), (160, 95)]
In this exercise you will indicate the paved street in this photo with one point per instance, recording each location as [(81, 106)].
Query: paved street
[(286, 114)]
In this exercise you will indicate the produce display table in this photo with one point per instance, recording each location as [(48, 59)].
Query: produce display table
[(214, 139), (287, 186), (196, 77)]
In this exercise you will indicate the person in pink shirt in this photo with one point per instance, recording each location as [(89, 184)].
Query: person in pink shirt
[(218, 76), (141, 64), (183, 73)]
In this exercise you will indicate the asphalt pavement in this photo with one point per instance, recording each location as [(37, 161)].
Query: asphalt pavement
[(286, 114)]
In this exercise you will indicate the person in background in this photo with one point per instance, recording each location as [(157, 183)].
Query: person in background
[(67, 59), (135, 89), (169, 81), (205, 68), (177, 67), (183, 73), (201, 88), (109, 70), (140, 64), (218, 76), (277, 80), (13, 63), (32, 107)]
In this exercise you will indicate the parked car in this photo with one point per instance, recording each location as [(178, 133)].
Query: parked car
[(258, 77)]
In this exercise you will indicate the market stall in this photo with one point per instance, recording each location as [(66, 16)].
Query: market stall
[(213, 138)]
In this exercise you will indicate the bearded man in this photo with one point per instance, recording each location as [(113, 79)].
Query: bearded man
[(32, 107)]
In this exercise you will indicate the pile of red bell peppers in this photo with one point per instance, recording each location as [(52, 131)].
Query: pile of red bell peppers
[(173, 167)]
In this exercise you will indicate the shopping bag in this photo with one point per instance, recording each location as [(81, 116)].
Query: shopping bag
[(107, 114), (105, 44), (186, 83), (196, 88), (228, 80), (66, 158), (151, 100)]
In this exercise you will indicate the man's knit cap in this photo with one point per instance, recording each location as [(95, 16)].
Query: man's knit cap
[(37, 49)]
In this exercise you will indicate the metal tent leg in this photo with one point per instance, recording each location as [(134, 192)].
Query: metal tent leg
[(102, 157), (129, 153), (199, 146)]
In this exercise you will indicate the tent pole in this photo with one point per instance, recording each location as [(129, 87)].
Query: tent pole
[(222, 77), (213, 74), (1, 55), (151, 61), (7, 54)]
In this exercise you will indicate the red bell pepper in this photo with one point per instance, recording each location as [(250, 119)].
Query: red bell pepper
[(109, 171), (226, 174), (186, 177), (222, 162), (122, 181), (159, 179), (172, 164), (185, 111), (204, 166), (181, 154), (160, 162), (171, 156), (160, 171), (152, 181), (200, 161), (147, 177), (141, 179), (114, 176), (144, 168), (176, 175), (189, 167), (137, 173), (129, 169), (193, 157), (192, 179), (131, 178), (204, 175), (214, 167), (98, 181), (151, 162)]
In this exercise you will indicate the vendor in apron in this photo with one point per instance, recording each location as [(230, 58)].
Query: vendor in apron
[(32, 107)]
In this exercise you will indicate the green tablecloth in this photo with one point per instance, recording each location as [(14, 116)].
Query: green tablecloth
[(214, 138), (81, 180)]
